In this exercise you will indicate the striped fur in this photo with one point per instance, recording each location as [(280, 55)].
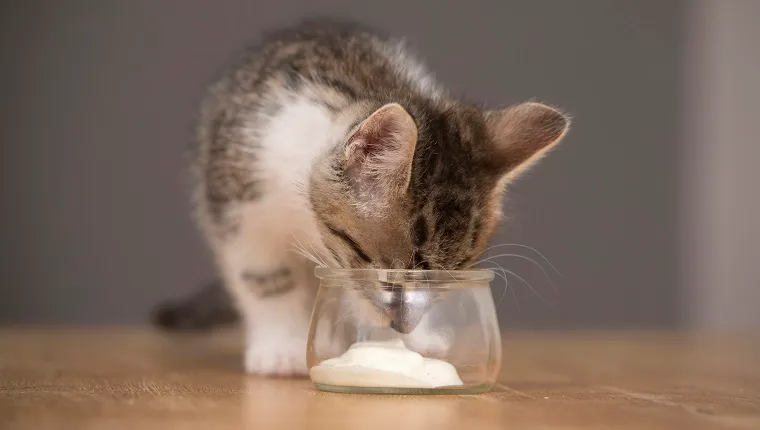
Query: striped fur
[(333, 139)]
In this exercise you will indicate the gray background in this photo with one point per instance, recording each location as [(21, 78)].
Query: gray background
[(99, 97)]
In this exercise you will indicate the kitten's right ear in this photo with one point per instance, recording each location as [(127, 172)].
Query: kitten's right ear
[(522, 134), (379, 153)]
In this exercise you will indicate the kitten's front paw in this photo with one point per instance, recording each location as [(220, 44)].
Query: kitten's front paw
[(276, 357)]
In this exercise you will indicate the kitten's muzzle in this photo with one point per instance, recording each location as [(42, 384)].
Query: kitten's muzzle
[(404, 307)]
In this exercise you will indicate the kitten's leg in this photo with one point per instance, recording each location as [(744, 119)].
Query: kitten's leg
[(274, 291)]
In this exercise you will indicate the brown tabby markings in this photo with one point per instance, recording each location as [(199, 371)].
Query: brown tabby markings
[(443, 207)]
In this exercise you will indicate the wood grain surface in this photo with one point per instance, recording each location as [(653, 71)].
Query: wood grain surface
[(139, 379)]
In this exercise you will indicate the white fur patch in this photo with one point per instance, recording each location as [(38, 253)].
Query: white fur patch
[(271, 228), (291, 141)]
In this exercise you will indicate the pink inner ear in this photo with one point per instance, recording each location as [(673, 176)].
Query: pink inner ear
[(383, 146)]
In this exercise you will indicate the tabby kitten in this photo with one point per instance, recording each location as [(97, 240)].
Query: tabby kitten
[(332, 139)]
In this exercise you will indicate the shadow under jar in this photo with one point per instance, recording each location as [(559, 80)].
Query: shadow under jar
[(404, 332)]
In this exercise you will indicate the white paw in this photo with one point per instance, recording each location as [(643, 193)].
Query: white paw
[(276, 357), (428, 344)]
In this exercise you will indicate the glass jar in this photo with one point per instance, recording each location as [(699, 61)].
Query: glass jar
[(404, 332)]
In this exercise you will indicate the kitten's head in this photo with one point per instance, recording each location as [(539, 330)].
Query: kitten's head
[(421, 187)]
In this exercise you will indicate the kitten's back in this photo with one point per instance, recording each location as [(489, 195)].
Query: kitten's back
[(356, 61), (326, 63)]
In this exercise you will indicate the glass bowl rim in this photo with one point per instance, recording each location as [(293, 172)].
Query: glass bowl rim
[(437, 276)]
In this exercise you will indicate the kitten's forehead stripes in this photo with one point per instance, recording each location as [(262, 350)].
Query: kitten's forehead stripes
[(420, 231), (449, 190)]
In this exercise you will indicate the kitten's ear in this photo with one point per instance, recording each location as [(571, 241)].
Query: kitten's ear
[(378, 154), (523, 133)]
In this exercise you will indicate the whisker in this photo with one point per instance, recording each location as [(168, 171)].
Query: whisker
[(529, 286), (297, 242), (449, 273), (319, 255), (306, 254), (546, 274), (522, 246), (313, 253), (506, 285), (303, 253), (411, 258), (298, 249)]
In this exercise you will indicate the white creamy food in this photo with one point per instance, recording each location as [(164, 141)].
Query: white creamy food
[(384, 364)]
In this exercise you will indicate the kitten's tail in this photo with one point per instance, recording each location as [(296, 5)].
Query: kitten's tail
[(205, 309)]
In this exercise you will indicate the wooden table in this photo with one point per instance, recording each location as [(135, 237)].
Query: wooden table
[(138, 379)]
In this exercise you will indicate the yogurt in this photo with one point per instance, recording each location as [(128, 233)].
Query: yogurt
[(387, 364)]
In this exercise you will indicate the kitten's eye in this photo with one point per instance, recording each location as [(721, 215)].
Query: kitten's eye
[(350, 242)]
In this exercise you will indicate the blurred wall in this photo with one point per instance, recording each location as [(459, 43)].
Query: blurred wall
[(720, 175), (98, 102)]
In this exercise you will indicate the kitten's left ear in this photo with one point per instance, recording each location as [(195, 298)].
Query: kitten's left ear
[(522, 134), (379, 153)]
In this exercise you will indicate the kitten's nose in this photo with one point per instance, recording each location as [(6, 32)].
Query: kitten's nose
[(405, 324), (404, 307)]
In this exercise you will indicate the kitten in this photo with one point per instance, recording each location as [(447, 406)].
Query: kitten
[(331, 138)]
